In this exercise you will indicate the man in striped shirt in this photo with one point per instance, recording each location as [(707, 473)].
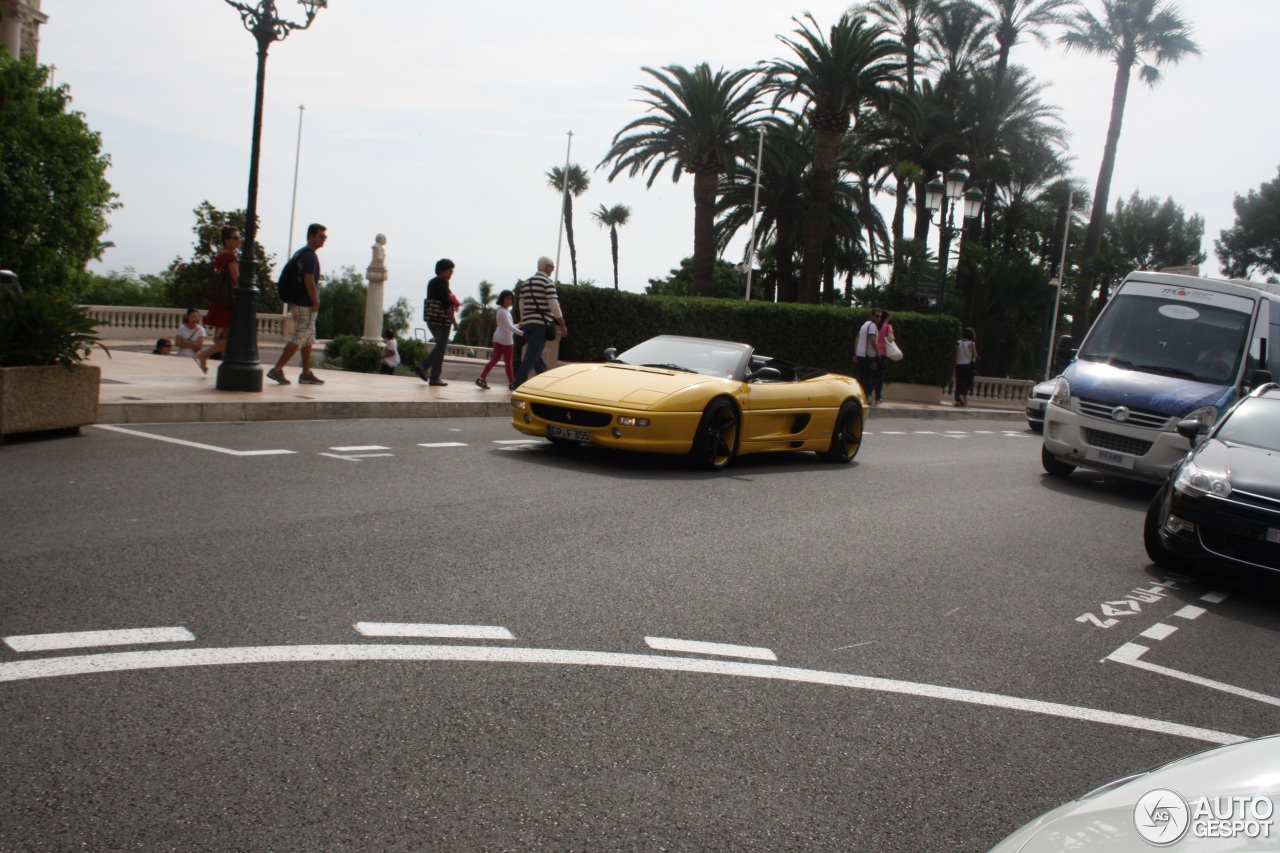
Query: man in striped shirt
[(539, 313)]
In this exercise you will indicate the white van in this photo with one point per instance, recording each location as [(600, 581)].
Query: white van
[(1165, 348)]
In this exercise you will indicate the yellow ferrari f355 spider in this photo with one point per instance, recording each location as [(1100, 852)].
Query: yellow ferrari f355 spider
[(712, 400)]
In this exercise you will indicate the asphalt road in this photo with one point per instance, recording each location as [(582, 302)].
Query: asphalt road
[(918, 652)]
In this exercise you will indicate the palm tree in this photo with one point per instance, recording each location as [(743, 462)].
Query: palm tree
[(1016, 18), (701, 122), (477, 320), (1128, 33), (611, 218), (855, 64), (958, 42), (579, 180)]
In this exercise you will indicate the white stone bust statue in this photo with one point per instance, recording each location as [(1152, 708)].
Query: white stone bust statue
[(377, 267)]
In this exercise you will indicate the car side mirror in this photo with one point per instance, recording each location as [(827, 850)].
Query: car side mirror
[(764, 373), (1259, 377), (611, 354), (1189, 429)]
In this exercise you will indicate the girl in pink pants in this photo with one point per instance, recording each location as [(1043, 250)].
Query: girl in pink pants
[(503, 340)]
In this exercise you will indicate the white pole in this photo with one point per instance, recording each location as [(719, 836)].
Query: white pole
[(564, 191), (297, 156), (1057, 299), (755, 206)]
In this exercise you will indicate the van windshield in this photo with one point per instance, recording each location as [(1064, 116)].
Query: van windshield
[(1169, 337)]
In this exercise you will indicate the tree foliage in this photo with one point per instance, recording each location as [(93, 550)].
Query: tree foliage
[(398, 317), (727, 283), (342, 296), (54, 194), (128, 288), (1253, 243), (1151, 234), (186, 279)]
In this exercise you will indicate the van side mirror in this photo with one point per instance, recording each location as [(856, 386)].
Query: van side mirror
[(1063, 353), (1259, 377), (1189, 429)]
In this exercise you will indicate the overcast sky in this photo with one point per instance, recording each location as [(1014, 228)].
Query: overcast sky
[(435, 123)]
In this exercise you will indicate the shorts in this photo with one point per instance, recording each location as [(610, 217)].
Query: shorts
[(304, 325)]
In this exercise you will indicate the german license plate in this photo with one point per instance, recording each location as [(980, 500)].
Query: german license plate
[(1109, 457), (1273, 534), (554, 431)]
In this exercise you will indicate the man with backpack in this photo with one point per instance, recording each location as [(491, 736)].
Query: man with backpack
[(300, 286)]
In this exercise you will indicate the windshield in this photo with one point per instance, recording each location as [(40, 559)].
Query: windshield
[(712, 358), (1255, 423), (1169, 337)]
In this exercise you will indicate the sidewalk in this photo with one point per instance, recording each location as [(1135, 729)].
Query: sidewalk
[(139, 388)]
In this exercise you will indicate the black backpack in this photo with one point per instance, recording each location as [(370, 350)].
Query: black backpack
[(290, 286)]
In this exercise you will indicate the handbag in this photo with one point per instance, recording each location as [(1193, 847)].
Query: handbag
[(218, 290), (551, 331), (892, 351)]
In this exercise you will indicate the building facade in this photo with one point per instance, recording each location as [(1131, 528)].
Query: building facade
[(20, 22)]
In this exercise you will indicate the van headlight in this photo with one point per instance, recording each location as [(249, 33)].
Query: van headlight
[(1206, 415), (1196, 482), (1061, 394)]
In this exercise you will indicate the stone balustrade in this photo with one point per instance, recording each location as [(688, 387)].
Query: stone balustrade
[(997, 392), (128, 322)]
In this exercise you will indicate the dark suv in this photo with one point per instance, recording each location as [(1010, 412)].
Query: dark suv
[(1222, 501)]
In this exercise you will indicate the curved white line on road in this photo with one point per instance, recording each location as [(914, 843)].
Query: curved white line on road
[(170, 658)]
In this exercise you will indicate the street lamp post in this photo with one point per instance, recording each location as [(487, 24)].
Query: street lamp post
[(240, 370), (941, 198)]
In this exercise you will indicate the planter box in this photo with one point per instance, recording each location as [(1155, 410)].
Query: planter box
[(35, 399), (907, 392)]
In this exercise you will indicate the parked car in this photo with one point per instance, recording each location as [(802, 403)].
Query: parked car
[(1036, 402), (1221, 503), (712, 400), (1219, 800)]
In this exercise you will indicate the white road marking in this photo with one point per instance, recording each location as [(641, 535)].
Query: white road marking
[(1158, 631), (518, 441), (355, 457), (696, 647), (172, 658), (1130, 654), (1191, 612), (925, 432), (453, 632), (194, 444), (360, 447), (892, 432), (444, 444), (984, 432), (1214, 597), (854, 646), (92, 639)]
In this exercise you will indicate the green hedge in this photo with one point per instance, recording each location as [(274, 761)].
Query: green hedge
[(813, 335)]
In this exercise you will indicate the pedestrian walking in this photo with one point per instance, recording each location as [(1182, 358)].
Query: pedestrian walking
[(966, 365), (218, 317), (438, 312), (190, 338), (503, 341), (304, 310), (540, 317), (390, 354), (866, 354), (884, 337)]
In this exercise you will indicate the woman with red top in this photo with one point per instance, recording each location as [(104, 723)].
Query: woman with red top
[(218, 317)]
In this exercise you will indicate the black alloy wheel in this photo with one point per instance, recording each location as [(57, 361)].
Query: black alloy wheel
[(716, 441), (846, 437)]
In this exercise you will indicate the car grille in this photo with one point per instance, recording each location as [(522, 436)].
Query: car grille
[(1118, 443), (1239, 532), (576, 417), (1043, 395), (1137, 417)]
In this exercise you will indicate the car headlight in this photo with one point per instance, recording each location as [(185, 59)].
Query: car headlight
[(628, 421), (1061, 394), (519, 404), (1206, 415), (1196, 482)]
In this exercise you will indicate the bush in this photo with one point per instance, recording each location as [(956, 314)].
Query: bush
[(40, 328), (361, 356), (819, 336), (412, 350), (333, 349)]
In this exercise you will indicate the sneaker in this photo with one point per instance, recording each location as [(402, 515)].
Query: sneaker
[(483, 384), (278, 375), (310, 379), (436, 382), (419, 372)]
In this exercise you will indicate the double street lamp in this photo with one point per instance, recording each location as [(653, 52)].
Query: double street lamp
[(941, 198), (240, 370)]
